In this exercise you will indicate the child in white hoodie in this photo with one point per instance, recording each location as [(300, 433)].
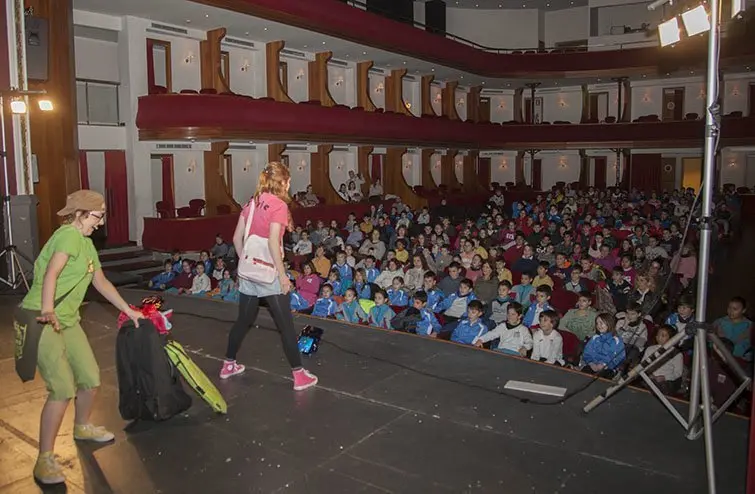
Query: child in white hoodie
[(547, 344), (514, 337), (201, 283)]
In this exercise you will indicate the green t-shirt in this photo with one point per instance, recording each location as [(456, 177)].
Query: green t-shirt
[(78, 272)]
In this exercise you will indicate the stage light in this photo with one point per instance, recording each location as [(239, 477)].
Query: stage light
[(45, 105), (668, 32), (18, 106), (696, 21)]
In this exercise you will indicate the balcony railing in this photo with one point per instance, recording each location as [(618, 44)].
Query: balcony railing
[(97, 102)]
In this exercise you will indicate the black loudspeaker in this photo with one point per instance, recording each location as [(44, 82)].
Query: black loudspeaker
[(435, 16), (37, 48)]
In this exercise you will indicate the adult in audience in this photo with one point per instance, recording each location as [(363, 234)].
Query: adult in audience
[(376, 190), (373, 246), (356, 179), (221, 248), (343, 193), (269, 221), (354, 193), (64, 269), (310, 199), (497, 198)]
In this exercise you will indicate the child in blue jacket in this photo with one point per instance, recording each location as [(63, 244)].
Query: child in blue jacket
[(381, 314), (397, 296), (428, 325), (361, 286), (454, 307), (350, 310), (605, 351), (532, 316), (162, 281), (470, 329), (325, 306)]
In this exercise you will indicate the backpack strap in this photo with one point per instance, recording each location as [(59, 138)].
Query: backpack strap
[(249, 218)]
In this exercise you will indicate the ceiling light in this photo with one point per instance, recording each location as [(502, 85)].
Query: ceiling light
[(668, 32), (404, 62), (364, 53), (547, 4), (483, 83), (45, 104), (18, 106), (696, 21), (500, 6), (323, 42), (246, 33), (433, 69), (265, 29), (305, 46), (207, 16), (188, 21)]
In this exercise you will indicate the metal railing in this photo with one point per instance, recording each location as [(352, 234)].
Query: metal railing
[(97, 102)]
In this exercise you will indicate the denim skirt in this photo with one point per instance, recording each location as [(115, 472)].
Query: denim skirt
[(255, 289)]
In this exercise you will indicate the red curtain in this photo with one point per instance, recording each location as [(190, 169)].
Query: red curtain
[(116, 185), (168, 197), (537, 174), (646, 171), (600, 173), (377, 167), (483, 172), (83, 170)]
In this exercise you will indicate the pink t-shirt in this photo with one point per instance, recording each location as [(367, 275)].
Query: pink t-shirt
[(270, 209)]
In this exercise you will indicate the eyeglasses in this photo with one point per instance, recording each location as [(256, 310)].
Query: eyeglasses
[(99, 216)]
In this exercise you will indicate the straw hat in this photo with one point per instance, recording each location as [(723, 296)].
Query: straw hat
[(82, 200)]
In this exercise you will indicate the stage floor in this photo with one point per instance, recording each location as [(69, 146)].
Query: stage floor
[(393, 413)]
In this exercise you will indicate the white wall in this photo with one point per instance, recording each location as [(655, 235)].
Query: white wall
[(436, 93), (419, 12), (566, 25), (503, 168), (102, 137), (495, 28), (341, 162), (188, 184), (298, 82), (435, 169), (734, 167), (611, 19), (647, 96), (247, 165), (613, 97), (244, 81), (459, 168), (411, 92), (411, 166), (501, 107), (558, 166), (301, 172), (561, 104), (96, 171), (377, 89), (736, 92), (96, 59), (460, 100), (156, 176), (184, 75), (342, 85)]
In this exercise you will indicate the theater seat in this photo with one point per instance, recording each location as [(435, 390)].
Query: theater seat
[(563, 300), (197, 206), (571, 346)]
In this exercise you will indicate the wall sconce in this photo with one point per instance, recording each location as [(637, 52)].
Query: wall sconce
[(646, 98), (502, 105), (615, 166), (562, 162), (339, 166), (562, 103), (701, 94), (189, 58), (245, 66), (300, 75), (504, 164), (339, 81), (408, 105), (408, 164), (380, 87), (735, 91), (192, 166), (732, 163), (247, 166), (436, 163), (460, 102), (302, 165), (438, 97)]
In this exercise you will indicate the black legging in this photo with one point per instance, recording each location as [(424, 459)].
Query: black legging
[(280, 308)]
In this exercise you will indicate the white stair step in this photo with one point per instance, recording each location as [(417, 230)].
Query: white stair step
[(147, 257), (120, 250)]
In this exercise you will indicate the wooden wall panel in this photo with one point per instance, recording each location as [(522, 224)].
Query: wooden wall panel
[(427, 95), (470, 180), (275, 152), (320, 169), (318, 79), (216, 189), (212, 62), (519, 105), (448, 170), (363, 167), (448, 101), (427, 169), (394, 182), (275, 87), (473, 104), (54, 135), (394, 92), (363, 86)]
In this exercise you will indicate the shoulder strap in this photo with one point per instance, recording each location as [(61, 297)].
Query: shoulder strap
[(60, 299), (249, 218)]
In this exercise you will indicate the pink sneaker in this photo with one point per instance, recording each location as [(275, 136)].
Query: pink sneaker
[(303, 379), (231, 368)]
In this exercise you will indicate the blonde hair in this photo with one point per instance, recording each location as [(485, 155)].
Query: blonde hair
[(273, 180)]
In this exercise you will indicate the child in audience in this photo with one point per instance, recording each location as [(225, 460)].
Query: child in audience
[(454, 307), (414, 277), (177, 262), (503, 273), (350, 259), (513, 337), (470, 329), (325, 306), (627, 269), (450, 284), (183, 282), (428, 324), (619, 288), (542, 297), (321, 263), (632, 330), (162, 280), (304, 246), (685, 313), (499, 307), (562, 268), (334, 280), (397, 296), (604, 352), (345, 272), (386, 277), (444, 258), (201, 283), (217, 272), (307, 287), (380, 315), (402, 255), (433, 293), (547, 344), (524, 291), (590, 270), (669, 375), (581, 321), (350, 310), (228, 289), (204, 258), (527, 262), (542, 277), (736, 328), (360, 285), (575, 283), (370, 271)]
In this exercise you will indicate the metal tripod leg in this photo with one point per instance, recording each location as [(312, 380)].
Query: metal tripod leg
[(15, 269)]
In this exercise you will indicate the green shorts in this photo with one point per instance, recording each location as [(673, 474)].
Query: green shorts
[(66, 362)]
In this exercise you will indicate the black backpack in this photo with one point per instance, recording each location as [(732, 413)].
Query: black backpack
[(406, 320), (148, 382)]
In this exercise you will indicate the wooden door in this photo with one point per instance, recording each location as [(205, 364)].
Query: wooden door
[(673, 103), (484, 110), (668, 174), (116, 184), (692, 172)]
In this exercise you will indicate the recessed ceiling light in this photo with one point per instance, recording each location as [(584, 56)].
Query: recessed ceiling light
[(668, 74), (643, 76), (500, 6), (364, 53), (571, 3), (547, 4), (305, 46), (477, 5), (323, 42), (404, 62), (483, 83), (691, 72), (207, 16), (433, 69), (747, 68), (508, 84), (265, 29), (246, 33), (188, 21), (462, 77), (598, 80)]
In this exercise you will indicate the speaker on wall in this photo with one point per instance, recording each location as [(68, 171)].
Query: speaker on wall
[(37, 49), (435, 16), (398, 10)]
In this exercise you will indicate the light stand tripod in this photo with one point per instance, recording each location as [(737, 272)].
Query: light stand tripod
[(700, 419), (16, 276)]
